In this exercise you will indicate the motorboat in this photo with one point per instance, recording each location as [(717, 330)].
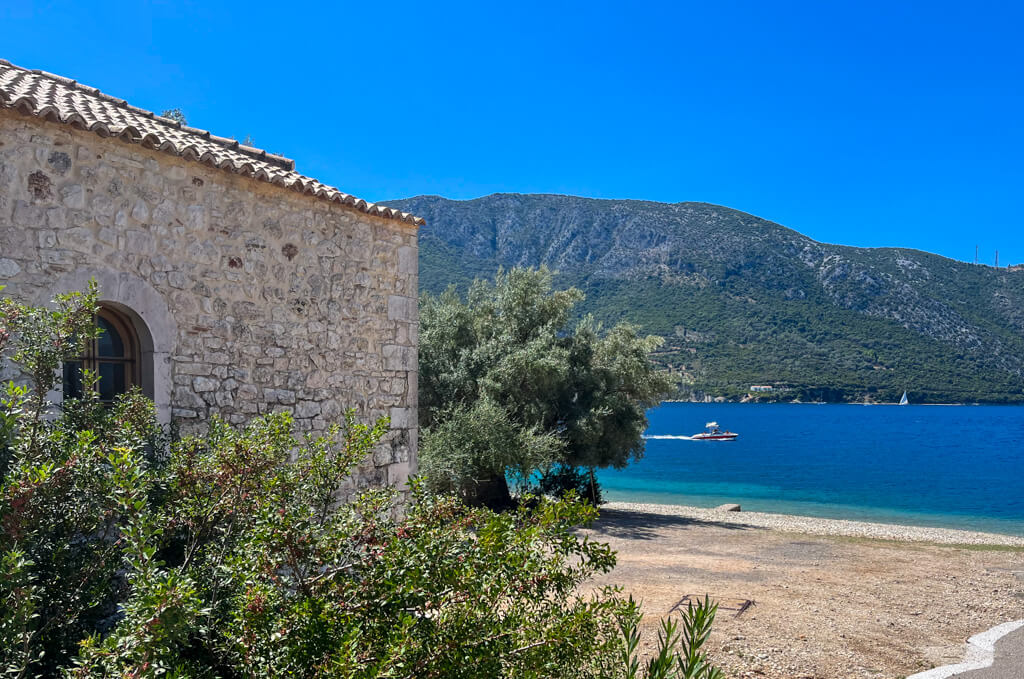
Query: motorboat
[(712, 432)]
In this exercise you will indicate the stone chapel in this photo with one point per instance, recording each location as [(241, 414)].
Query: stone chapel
[(229, 283)]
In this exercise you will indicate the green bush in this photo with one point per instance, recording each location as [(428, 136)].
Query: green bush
[(228, 555)]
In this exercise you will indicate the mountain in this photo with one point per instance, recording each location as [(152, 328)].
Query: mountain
[(741, 300)]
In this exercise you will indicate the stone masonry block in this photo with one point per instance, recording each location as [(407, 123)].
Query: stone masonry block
[(201, 384), (397, 357), (407, 260), (398, 475), (402, 418), (402, 308)]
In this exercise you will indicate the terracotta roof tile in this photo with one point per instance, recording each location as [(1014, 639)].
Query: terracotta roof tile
[(60, 99)]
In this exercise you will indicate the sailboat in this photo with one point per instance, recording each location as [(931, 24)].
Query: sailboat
[(903, 399)]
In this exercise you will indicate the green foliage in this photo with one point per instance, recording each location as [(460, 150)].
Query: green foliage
[(821, 352), (473, 443), (679, 654), (175, 114), (508, 384), (58, 499), (123, 554), (46, 336)]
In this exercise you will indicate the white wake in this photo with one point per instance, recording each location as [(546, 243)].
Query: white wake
[(668, 437)]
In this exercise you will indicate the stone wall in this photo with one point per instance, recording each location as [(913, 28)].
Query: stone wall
[(255, 298)]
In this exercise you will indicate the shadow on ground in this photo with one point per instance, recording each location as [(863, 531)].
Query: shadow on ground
[(629, 525)]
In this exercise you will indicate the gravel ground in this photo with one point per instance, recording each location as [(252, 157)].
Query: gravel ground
[(832, 599)]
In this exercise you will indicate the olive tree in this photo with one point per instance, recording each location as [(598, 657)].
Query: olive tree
[(512, 382)]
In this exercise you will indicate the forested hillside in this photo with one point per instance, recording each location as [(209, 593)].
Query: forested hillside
[(741, 300)]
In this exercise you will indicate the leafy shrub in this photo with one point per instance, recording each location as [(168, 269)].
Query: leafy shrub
[(228, 555)]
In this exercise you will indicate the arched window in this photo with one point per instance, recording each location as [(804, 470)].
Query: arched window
[(113, 356)]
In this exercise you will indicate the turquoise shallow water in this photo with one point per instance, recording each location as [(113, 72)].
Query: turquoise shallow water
[(948, 466)]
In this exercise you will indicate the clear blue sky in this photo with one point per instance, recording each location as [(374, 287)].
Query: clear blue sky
[(864, 123)]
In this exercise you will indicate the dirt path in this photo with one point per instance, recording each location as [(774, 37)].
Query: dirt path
[(826, 607)]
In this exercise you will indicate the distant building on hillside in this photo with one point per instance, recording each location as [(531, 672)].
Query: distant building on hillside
[(761, 387), (229, 283)]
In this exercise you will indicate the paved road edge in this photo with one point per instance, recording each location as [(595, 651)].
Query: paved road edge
[(980, 652)]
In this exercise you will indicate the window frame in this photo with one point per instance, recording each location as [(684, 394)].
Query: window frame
[(131, 357)]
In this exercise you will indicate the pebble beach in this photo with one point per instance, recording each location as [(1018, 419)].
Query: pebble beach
[(830, 598), (808, 525)]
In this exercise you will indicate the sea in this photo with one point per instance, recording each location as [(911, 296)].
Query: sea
[(923, 465)]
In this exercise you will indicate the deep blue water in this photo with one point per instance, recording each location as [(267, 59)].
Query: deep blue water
[(951, 466)]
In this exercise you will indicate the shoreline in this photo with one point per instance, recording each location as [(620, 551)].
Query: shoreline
[(809, 525), (831, 597)]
